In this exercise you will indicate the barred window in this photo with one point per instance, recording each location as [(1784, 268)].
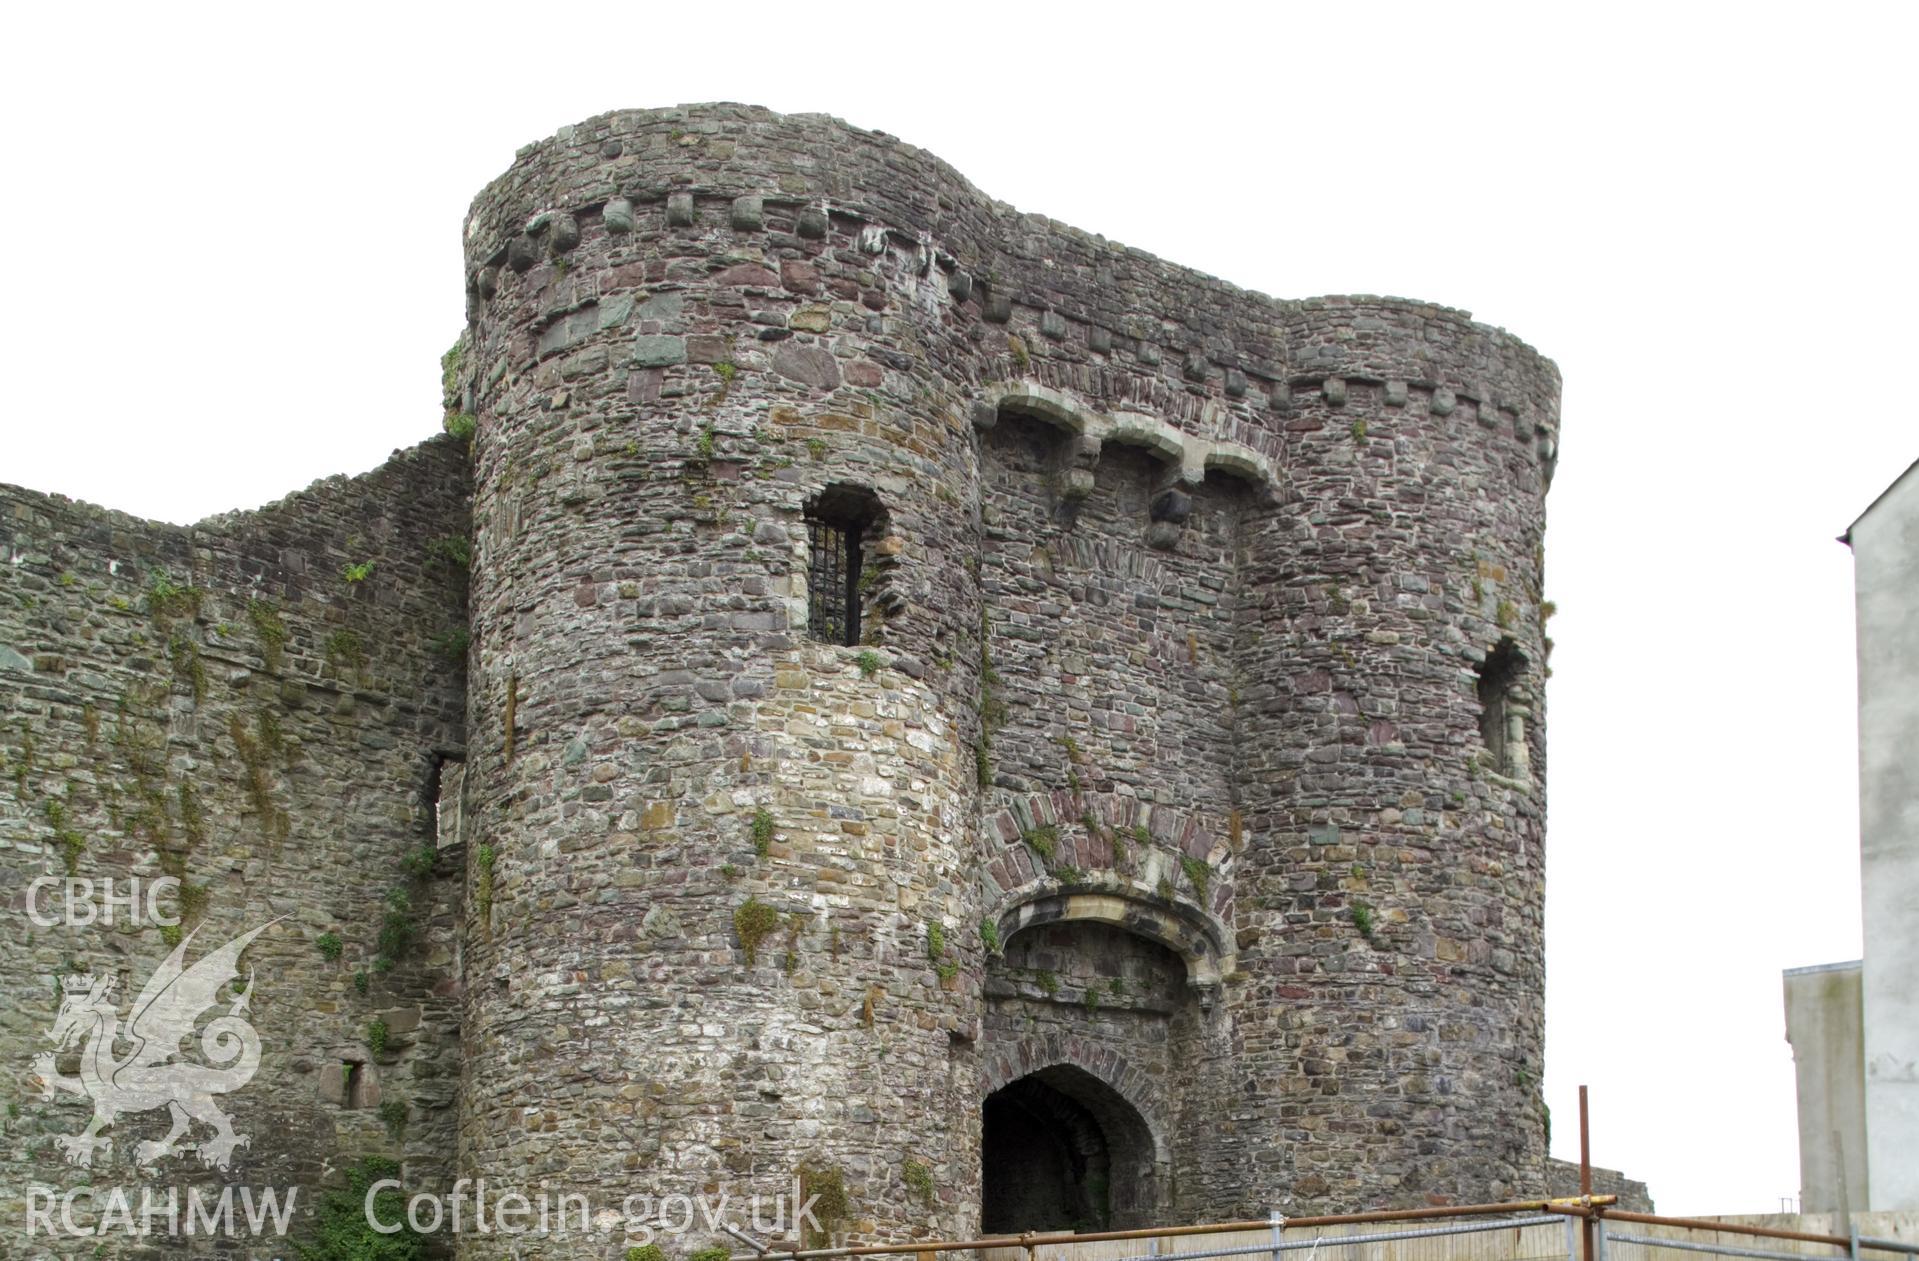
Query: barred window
[(838, 523), (832, 580)]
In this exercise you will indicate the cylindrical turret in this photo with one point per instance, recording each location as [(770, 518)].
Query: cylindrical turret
[(724, 630), (1391, 759)]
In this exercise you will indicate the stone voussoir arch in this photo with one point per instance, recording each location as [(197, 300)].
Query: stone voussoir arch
[(1140, 1090), (1012, 816), (1189, 930)]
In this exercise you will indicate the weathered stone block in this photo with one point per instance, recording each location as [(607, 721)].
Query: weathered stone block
[(521, 253), (809, 365), (665, 307), (1076, 483), (658, 351), (747, 274), (1173, 505), (706, 348)]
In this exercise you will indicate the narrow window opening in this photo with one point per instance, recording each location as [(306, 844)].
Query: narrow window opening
[(353, 1084), (1500, 716), (839, 525), (449, 775)]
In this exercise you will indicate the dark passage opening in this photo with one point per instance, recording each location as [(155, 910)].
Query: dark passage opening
[(1497, 674), (1061, 1150)]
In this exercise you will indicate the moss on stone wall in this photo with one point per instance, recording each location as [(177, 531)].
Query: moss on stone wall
[(754, 921)]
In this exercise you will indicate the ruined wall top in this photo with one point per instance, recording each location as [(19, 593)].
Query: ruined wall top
[(1091, 298)]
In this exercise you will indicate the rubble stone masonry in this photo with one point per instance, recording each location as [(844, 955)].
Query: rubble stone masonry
[(1189, 765)]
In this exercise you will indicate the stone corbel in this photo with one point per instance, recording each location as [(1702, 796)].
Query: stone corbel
[(1078, 458), (1172, 504)]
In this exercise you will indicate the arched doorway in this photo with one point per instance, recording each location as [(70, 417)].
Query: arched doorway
[(1062, 1150)]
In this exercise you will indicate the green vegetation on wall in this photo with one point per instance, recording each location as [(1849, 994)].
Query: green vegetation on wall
[(754, 921), (340, 1230)]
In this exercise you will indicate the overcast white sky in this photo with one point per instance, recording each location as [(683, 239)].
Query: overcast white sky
[(232, 246)]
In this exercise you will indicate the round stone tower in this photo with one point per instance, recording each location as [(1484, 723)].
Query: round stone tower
[(1006, 730)]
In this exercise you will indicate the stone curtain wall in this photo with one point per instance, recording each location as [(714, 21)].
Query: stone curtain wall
[(221, 704), (1562, 1179), (714, 850)]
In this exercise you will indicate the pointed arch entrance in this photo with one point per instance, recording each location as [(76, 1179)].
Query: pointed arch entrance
[(1062, 1150)]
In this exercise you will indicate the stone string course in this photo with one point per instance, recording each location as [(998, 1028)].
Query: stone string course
[(1171, 627)]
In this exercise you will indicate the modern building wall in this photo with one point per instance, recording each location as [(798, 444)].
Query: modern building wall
[(1825, 1027), (1885, 548), (1866, 1155)]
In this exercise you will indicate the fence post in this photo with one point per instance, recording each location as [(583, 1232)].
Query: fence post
[(1277, 1220), (1599, 1229), (1585, 1174), (1572, 1240)]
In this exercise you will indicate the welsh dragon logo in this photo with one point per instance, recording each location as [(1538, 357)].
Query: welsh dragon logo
[(152, 1072)]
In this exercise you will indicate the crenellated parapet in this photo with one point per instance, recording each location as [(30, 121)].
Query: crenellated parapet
[(1034, 298)]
